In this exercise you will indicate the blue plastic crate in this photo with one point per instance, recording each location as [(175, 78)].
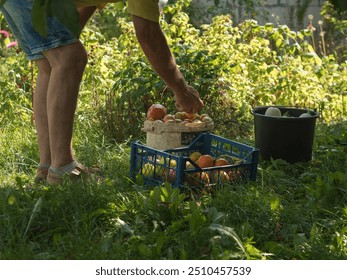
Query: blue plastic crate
[(155, 167)]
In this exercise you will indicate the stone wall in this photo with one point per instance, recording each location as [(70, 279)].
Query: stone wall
[(285, 12), (276, 11)]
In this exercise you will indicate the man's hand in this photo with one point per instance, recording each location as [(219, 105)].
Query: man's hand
[(189, 101)]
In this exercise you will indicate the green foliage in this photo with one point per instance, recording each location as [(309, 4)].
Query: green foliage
[(334, 31), (292, 211), (233, 68), (16, 90), (16, 76), (63, 10), (339, 5)]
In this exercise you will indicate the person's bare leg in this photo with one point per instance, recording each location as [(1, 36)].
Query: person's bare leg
[(68, 64), (41, 102), (40, 111)]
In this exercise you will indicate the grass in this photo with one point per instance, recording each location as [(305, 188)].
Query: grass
[(292, 211)]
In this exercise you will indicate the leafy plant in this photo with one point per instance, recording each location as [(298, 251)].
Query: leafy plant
[(292, 211)]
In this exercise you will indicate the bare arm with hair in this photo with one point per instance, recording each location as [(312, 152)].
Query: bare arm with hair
[(157, 51)]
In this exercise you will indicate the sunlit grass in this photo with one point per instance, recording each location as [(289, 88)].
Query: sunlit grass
[(292, 211)]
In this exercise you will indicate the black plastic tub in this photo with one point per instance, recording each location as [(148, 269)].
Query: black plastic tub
[(288, 138)]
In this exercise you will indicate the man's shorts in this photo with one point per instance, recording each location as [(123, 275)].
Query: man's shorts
[(18, 14)]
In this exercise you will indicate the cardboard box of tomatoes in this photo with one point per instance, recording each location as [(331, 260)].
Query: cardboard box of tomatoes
[(172, 130)]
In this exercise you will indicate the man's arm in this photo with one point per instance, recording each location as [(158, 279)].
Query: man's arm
[(85, 14), (156, 49)]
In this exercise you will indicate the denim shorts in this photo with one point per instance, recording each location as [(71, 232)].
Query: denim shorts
[(18, 15)]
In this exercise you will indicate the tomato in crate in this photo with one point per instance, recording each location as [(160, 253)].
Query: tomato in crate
[(222, 161)]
